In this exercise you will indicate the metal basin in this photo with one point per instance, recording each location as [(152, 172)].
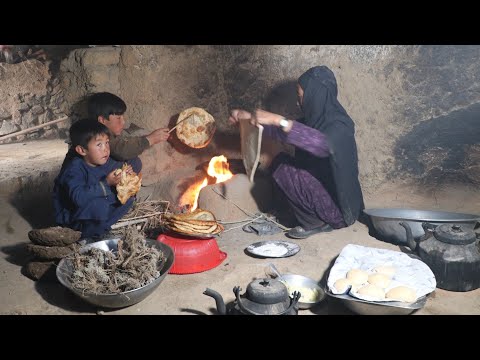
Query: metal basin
[(386, 222), (126, 298), (363, 307), (300, 281)]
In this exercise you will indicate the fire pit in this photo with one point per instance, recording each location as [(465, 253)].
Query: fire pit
[(227, 194)]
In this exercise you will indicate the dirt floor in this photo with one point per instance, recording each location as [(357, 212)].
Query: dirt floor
[(182, 294)]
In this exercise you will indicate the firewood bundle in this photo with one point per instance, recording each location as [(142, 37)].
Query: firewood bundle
[(48, 247), (200, 221)]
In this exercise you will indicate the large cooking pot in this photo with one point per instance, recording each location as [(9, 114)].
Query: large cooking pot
[(386, 222)]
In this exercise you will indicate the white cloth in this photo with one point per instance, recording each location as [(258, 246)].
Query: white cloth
[(409, 272)]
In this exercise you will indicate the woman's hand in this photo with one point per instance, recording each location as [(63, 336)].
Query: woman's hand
[(263, 117), (238, 114)]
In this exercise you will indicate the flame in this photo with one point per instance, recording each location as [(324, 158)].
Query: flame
[(219, 169)]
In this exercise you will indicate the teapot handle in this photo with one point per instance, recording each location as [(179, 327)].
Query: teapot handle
[(237, 289), (428, 228), (411, 242)]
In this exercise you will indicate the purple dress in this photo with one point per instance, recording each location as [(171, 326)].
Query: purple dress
[(310, 201)]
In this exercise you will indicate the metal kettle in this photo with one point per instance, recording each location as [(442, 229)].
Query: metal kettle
[(452, 253), (262, 297)]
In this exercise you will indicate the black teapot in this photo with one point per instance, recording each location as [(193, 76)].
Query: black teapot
[(451, 252), (263, 297)]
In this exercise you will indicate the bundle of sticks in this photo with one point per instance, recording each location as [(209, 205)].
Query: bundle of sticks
[(197, 222), (148, 213)]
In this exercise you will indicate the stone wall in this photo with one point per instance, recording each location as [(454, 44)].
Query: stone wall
[(30, 96)]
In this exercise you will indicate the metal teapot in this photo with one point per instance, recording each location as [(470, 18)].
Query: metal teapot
[(263, 297), (451, 252)]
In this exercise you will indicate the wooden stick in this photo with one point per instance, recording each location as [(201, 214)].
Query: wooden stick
[(143, 216), (33, 128), (173, 128), (126, 223)]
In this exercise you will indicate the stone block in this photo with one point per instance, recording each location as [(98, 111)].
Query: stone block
[(37, 109), (4, 114), (8, 127), (101, 56)]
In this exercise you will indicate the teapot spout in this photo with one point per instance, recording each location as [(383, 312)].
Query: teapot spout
[(221, 308)]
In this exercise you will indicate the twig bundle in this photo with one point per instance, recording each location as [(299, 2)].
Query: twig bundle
[(134, 265)]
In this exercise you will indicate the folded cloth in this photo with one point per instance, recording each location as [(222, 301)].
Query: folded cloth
[(262, 227)]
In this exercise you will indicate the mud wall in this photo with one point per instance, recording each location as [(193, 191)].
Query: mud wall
[(415, 107)]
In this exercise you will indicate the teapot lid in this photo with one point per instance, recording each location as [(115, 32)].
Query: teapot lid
[(454, 234), (266, 291)]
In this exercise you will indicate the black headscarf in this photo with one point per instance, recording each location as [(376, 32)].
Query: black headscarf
[(339, 172)]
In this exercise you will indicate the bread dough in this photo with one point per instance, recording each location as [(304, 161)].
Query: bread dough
[(357, 276), (387, 270), (372, 291), (380, 280), (402, 293), (308, 295), (342, 285)]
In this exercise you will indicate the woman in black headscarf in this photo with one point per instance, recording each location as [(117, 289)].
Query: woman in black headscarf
[(321, 182)]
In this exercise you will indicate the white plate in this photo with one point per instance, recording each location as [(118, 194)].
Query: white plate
[(273, 249)]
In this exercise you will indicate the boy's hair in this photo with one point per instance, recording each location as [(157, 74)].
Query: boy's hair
[(105, 104), (82, 131)]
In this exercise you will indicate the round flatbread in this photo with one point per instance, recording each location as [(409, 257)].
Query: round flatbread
[(198, 128)]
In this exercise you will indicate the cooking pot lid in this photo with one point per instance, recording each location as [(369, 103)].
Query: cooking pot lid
[(267, 291), (454, 234)]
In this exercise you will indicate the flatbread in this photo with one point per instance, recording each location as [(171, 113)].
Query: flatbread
[(129, 184), (197, 214), (196, 127), (251, 146)]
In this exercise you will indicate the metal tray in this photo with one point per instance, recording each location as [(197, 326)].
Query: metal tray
[(289, 248), (363, 307)]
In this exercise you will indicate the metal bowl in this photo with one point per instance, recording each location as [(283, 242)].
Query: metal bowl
[(386, 222), (126, 298), (304, 282), (363, 307)]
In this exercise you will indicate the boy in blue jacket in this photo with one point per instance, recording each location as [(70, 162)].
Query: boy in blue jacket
[(84, 194)]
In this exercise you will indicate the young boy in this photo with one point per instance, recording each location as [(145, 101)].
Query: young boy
[(84, 194), (108, 109)]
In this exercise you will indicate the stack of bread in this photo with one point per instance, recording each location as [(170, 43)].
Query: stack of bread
[(198, 222), (48, 247)]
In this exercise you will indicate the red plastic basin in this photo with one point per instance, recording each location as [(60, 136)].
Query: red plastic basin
[(193, 256)]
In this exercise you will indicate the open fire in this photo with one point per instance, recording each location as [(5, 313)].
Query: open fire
[(218, 169)]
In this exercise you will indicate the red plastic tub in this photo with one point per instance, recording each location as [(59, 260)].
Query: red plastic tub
[(193, 256)]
